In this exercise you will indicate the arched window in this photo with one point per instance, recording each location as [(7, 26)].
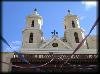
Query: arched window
[(65, 27), (76, 37), (73, 24), (32, 25), (31, 38)]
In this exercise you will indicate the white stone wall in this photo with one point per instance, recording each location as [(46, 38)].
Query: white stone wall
[(92, 42), (60, 51), (6, 57)]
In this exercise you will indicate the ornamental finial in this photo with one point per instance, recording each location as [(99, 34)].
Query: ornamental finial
[(69, 11)]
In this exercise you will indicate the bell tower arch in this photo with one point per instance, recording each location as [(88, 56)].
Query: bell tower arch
[(73, 33), (32, 33)]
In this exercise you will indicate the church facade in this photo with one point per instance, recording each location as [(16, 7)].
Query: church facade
[(35, 46), (73, 35)]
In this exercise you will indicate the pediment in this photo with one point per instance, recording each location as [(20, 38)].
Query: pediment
[(55, 43)]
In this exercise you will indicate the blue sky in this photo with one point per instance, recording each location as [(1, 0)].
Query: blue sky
[(14, 18)]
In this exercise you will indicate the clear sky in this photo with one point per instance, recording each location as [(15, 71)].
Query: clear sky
[(14, 18)]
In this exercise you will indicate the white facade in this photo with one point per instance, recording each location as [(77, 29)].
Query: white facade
[(69, 41)]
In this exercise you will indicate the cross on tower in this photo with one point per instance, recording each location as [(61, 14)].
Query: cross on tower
[(54, 32), (35, 9), (69, 11)]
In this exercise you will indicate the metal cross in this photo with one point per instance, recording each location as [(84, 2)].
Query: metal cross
[(54, 32), (69, 11), (35, 9)]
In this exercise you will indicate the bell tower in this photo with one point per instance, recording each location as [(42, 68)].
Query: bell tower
[(32, 33), (73, 34)]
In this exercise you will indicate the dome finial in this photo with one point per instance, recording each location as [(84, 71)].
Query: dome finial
[(68, 11), (35, 9)]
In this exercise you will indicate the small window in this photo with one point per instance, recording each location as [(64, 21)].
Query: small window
[(55, 44), (64, 40), (73, 24), (31, 38), (76, 37), (65, 27), (32, 25)]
